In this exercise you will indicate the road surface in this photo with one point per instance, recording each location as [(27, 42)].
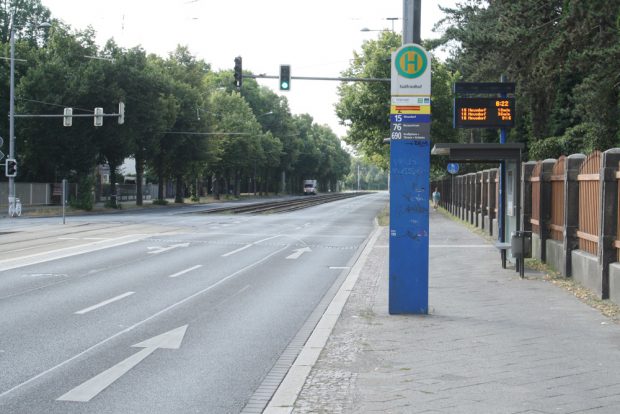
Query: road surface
[(164, 312)]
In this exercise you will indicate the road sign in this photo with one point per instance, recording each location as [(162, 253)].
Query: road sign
[(453, 168), (411, 109), (411, 131), (1, 155), (1, 141), (411, 71), (411, 100), (409, 177), (67, 119), (410, 118)]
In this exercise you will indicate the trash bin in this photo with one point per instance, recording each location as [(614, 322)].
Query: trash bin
[(521, 244)]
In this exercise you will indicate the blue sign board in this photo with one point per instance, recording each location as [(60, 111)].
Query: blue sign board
[(453, 168), (409, 217), (410, 118)]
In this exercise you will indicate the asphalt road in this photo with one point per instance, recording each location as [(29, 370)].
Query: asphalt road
[(163, 312)]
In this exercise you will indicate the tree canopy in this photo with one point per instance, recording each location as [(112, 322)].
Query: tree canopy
[(562, 55), (184, 124)]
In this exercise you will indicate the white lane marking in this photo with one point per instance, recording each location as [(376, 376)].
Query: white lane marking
[(142, 322), (247, 246), (182, 272), (42, 257), (105, 302), (339, 267), (299, 252), (68, 238), (460, 246), (161, 249), (91, 388)]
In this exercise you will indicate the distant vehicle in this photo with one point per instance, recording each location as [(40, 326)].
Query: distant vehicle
[(310, 187)]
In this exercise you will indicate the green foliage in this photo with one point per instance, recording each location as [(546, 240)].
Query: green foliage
[(563, 56), (369, 176), (584, 138), (84, 198), (365, 106)]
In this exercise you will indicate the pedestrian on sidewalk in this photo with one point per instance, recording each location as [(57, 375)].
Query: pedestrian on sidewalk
[(436, 197)]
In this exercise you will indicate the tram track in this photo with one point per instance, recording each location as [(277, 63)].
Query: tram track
[(282, 205)]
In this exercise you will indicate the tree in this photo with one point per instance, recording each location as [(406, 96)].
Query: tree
[(560, 53), (365, 106)]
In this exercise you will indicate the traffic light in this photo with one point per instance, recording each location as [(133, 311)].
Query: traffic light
[(238, 72), (121, 113), (10, 167), (67, 120), (285, 77), (98, 119)]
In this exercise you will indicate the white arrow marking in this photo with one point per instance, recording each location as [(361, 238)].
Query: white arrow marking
[(160, 249), (299, 252), (89, 389)]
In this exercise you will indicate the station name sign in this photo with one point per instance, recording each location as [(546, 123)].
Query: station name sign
[(484, 112)]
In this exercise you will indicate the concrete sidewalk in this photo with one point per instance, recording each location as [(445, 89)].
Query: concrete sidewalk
[(493, 343)]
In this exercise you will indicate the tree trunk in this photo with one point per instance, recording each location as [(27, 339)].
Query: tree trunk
[(216, 186), (139, 175), (237, 183), (178, 197), (160, 180)]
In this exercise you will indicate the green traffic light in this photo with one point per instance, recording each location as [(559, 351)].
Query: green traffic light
[(285, 77)]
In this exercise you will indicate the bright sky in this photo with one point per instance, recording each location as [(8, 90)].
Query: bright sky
[(316, 37)]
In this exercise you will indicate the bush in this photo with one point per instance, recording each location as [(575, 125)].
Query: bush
[(159, 202), (583, 138), (84, 199)]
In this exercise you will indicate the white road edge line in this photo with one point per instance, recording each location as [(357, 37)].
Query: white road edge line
[(138, 324), (182, 272), (247, 246), (105, 302), (285, 396)]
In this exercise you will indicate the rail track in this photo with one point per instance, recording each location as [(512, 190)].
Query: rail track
[(282, 206)]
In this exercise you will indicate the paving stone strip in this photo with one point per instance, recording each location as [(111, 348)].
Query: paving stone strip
[(493, 343)]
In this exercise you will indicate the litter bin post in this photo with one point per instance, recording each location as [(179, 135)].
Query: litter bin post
[(520, 246)]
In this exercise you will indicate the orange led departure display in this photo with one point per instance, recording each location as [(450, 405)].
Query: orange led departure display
[(484, 112)]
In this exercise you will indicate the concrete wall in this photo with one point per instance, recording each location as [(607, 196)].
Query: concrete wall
[(614, 282), (536, 249), (555, 256), (586, 271)]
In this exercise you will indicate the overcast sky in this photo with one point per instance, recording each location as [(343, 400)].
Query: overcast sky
[(316, 37)]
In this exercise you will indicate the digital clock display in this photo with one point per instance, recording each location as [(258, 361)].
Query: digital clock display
[(484, 112)]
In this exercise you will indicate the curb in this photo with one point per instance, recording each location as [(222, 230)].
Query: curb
[(284, 398)]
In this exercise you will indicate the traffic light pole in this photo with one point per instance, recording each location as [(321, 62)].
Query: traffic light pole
[(320, 78)]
